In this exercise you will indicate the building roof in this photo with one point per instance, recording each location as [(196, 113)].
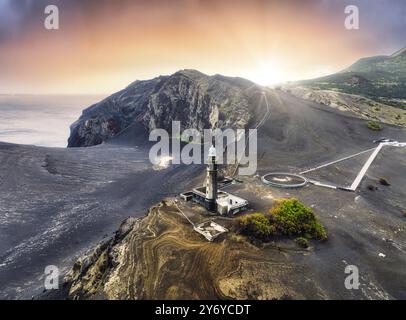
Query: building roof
[(231, 201), (210, 230)]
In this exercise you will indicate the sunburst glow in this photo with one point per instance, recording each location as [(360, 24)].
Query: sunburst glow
[(268, 73), (102, 47)]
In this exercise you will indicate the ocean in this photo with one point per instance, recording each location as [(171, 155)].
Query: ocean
[(41, 120)]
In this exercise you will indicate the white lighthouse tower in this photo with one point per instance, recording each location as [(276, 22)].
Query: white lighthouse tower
[(211, 181)]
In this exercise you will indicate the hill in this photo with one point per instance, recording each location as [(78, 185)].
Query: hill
[(189, 96), (73, 198), (381, 78)]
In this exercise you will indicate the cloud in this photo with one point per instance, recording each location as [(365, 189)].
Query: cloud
[(113, 42)]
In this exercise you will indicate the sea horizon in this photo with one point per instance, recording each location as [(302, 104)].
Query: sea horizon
[(41, 119)]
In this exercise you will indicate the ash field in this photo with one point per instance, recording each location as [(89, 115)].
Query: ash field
[(57, 203)]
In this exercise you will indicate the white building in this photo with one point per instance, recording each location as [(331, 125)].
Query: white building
[(213, 200)]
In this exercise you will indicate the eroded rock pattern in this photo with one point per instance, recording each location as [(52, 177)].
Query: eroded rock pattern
[(161, 257)]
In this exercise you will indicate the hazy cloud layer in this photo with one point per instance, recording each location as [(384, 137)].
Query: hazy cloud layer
[(104, 44)]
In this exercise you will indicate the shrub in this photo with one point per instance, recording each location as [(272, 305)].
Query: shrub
[(371, 187), (302, 242), (373, 125), (291, 217), (384, 182), (256, 225), (286, 217)]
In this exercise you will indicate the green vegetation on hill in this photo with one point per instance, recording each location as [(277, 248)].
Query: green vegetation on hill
[(381, 78), (287, 217)]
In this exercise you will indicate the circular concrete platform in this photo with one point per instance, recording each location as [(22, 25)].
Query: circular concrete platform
[(284, 180)]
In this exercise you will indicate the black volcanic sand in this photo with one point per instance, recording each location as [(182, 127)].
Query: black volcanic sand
[(56, 203), (360, 225), (302, 134)]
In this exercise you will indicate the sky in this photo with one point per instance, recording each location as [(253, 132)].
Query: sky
[(102, 46)]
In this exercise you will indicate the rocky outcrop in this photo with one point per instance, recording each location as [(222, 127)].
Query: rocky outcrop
[(88, 273), (193, 98), (360, 106)]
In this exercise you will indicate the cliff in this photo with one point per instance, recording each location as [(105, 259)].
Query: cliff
[(193, 98)]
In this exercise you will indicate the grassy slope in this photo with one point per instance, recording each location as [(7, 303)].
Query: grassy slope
[(382, 78)]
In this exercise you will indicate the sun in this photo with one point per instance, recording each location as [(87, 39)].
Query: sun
[(266, 74)]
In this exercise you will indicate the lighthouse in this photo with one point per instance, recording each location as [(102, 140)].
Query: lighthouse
[(214, 200), (211, 181)]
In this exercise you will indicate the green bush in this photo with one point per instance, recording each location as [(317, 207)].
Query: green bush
[(291, 217), (287, 217), (256, 225), (373, 125), (302, 242)]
